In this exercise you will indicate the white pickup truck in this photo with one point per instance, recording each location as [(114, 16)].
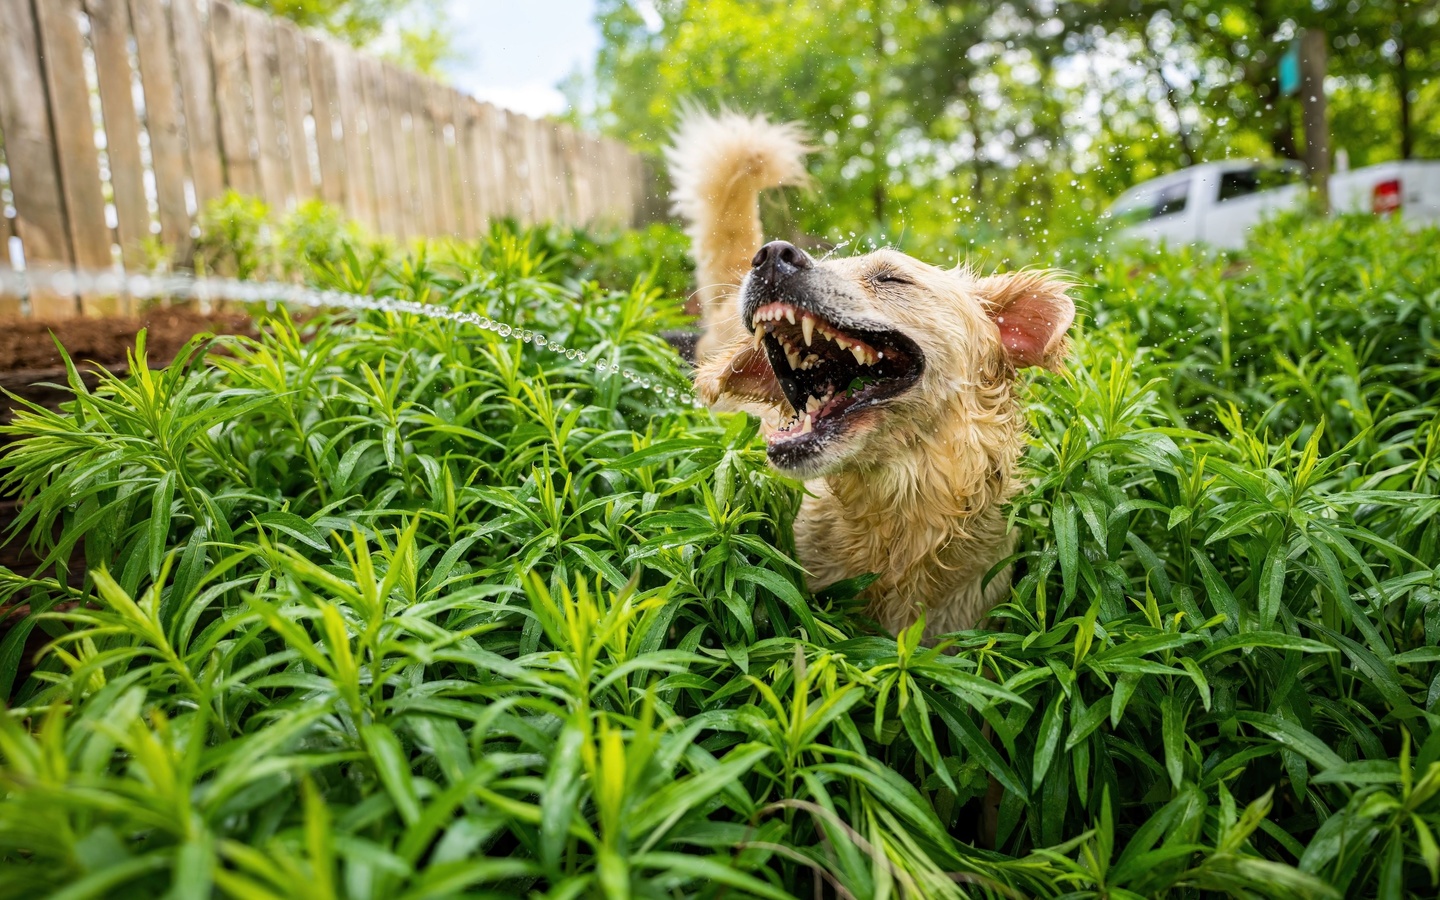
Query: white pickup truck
[(1217, 203)]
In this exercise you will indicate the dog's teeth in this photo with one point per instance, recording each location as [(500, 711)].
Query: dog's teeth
[(790, 314), (809, 361), (859, 353), (759, 336), (807, 327), (792, 355), (842, 343), (812, 405), (807, 425)]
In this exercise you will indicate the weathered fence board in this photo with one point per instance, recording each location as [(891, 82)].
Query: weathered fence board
[(30, 149), (467, 207), (167, 152), (329, 152), (63, 60), (439, 107), (275, 186), (423, 155), (227, 47), (200, 96), (9, 306), (356, 177), (231, 99), (381, 143), (109, 36), (290, 50)]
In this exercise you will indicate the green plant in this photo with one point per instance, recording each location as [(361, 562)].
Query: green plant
[(378, 605), (314, 235), (235, 237)]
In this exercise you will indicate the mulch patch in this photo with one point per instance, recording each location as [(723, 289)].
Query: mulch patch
[(25, 344)]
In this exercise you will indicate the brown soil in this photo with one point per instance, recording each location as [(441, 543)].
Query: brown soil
[(26, 344)]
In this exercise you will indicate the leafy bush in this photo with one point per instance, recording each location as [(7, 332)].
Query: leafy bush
[(381, 606), (235, 236), (242, 237)]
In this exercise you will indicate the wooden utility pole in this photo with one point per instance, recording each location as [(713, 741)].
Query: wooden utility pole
[(1312, 106)]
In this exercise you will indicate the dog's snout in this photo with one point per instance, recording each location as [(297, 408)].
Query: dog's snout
[(778, 259)]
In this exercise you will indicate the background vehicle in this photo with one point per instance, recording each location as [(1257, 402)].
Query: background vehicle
[(1217, 203)]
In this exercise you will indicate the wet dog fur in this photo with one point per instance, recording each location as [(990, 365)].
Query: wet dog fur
[(909, 460)]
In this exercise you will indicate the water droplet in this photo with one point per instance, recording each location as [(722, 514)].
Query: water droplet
[(541, 340), (504, 330), (569, 354)]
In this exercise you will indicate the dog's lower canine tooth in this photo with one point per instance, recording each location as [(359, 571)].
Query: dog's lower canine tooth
[(793, 356), (807, 327)]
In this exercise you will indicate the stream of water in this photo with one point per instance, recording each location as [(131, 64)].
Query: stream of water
[(211, 290)]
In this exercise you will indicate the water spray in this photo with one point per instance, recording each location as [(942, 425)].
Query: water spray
[(22, 283)]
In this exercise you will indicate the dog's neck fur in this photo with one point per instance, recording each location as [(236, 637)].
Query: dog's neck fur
[(929, 520)]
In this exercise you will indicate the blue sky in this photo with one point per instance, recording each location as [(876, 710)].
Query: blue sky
[(514, 52)]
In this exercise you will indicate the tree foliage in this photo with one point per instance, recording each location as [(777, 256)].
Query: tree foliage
[(418, 41), (952, 117)]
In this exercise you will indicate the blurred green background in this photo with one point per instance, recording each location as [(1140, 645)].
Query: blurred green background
[(990, 131)]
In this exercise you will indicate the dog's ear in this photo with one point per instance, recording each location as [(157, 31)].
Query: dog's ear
[(1033, 312), (741, 372)]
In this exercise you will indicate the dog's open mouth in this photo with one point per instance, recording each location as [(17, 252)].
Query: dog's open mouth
[(828, 373)]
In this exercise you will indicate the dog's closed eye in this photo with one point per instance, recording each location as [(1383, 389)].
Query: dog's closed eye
[(888, 276)]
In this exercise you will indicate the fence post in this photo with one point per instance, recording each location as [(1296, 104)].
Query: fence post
[(200, 98), (30, 152), (227, 47), (324, 108), (154, 52), (290, 53), (275, 185), (62, 60), (109, 37)]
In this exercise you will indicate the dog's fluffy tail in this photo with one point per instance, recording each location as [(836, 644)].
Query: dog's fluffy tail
[(719, 164)]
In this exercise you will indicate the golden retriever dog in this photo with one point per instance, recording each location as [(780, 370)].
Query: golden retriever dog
[(886, 384)]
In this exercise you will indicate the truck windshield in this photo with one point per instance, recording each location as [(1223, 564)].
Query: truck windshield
[(1171, 199), (1244, 182), (1151, 204)]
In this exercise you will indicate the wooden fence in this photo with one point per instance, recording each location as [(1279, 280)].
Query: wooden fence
[(121, 119)]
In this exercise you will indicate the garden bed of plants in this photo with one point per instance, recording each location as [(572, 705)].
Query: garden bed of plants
[(383, 606)]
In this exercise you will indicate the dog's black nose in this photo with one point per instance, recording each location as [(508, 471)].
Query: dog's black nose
[(778, 259)]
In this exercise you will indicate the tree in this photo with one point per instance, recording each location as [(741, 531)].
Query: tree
[(419, 43)]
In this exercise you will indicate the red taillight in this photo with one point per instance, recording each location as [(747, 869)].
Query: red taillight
[(1386, 197)]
